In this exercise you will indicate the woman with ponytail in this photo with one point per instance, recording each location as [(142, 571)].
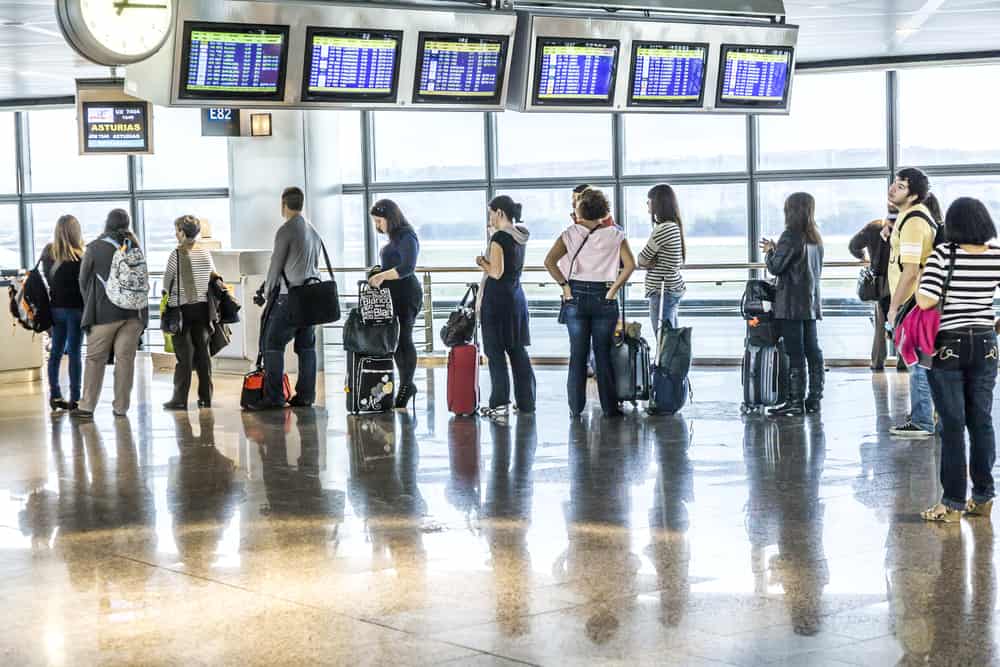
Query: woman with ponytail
[(663, 256), (504, 312)]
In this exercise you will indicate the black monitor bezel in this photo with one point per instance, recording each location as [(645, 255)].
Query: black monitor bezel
[(542, 42), (478, 100), (307, 64), (145, 130), (191, 26), (720, 103), (636, 45)]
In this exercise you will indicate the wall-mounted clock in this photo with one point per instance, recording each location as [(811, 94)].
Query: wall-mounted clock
[(116, 32)]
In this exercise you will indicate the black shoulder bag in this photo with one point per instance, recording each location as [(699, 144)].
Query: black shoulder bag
[(316, 301), (172, 319), (572, 261)]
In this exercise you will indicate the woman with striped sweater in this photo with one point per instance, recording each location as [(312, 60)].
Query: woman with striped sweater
[(964, 272), (663, 256), (189, 271)]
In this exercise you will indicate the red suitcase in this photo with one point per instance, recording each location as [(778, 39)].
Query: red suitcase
[(463, 379)]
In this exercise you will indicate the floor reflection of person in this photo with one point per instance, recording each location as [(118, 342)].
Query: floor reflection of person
[(669, 548), (784, 466), (506, 518), (386, 496), (599, 561), (202, 491)]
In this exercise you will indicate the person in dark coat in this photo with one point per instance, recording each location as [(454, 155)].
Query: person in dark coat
[(797, 262), (871, 244), (504, 312)]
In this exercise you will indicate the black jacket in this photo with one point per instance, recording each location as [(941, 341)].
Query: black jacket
[(798, 266), (870, 239)]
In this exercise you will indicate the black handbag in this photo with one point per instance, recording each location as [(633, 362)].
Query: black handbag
[(314, 302), (370, 341), (461, 326), (229, 307), (562, 304), (758, 299), (871, 286), (172, 319)]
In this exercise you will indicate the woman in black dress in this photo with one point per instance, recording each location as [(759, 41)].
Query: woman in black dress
[(504, 312)]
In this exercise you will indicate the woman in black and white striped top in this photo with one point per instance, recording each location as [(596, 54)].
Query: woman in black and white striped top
[(664, 255), (964, 370), (189, 271)]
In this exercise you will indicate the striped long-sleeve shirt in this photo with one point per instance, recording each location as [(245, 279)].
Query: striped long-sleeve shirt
[(664, 257), (969, 300), (203, 266)]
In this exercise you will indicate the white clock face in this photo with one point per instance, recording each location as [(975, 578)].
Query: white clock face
[(128, 27)]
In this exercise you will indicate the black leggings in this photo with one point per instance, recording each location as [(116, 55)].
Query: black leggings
[(801, 343), (407, 300)]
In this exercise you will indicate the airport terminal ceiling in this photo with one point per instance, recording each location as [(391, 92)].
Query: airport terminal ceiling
[(37, 63)]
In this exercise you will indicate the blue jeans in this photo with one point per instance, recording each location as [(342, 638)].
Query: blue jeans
[(591, 318), (921, 403), (67, 338), (671, 301), (279, 333), (520, 364), (962, 381)]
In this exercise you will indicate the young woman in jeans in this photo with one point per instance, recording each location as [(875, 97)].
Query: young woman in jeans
[(399, 261), (591, 262), (188, 273), (797, 262), (663, 256), (504, 312), (964, 369), (61, 265)]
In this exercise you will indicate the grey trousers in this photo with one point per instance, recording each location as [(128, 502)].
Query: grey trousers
[(123, 338)]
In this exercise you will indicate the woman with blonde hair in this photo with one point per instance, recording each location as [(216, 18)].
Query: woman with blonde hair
[(189, 271), (61, 266)]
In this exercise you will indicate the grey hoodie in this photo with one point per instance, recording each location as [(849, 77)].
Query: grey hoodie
[(519, 232)]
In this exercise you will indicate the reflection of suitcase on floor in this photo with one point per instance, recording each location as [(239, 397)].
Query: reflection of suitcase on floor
[(765, 375), (463, 379), (372, 441), (370, 384)]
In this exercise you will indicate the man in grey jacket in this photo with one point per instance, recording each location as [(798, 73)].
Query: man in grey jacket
[(295, 259)]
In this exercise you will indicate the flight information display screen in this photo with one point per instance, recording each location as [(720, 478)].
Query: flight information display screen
[(234, 61), (754, 76), (115, 127), (344, 64), (460, 68), (575, 71), (667, 74)]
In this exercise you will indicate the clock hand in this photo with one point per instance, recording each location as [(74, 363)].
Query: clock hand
[(122, 5)]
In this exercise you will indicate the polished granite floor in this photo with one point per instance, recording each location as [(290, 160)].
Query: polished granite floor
[(305, 536)]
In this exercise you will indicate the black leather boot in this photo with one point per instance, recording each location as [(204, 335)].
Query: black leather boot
[(817, 377), (794, 406)]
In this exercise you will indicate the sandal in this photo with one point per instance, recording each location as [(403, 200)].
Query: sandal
[(941, 513), (984, 509), (500, 412)]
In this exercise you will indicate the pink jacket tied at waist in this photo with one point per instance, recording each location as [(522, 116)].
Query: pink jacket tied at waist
[(916, 335)]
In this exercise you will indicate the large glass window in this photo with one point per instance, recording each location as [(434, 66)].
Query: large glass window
[(183, 158), (90, 214), (947, 115), (349, 249), (349, 144), (684, 144), (983, 188), (8, 154), (57, 166), (553, 145), (837, 122), (437, 146), (10, 237), (158, 219), (451, 225)]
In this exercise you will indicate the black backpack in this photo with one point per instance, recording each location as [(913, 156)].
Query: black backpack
[(938, 231), (29, 301)]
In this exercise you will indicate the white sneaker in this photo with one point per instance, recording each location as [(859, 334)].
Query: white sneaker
[(909, 430)]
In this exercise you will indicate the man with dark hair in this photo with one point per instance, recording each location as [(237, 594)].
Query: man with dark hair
[(910, 244), (294, 260)]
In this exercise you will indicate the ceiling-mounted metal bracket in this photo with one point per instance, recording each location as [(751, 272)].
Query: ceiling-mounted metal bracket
[(772, 10)]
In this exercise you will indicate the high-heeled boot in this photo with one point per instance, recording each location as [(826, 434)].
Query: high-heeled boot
[(817, 377), (793, 406)]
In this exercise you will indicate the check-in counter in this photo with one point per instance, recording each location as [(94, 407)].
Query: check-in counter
[(244, 272), (20, 349)]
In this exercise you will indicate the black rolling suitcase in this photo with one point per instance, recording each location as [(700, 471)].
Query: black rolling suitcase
[(765, 363), (630, 362), (370, 384)]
